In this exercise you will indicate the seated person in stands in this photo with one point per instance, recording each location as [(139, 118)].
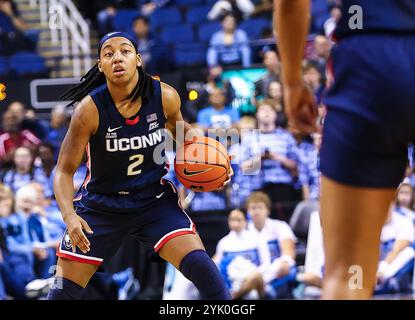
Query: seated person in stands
[(12, 137), (26, 119), (279, 161), (280, 241), (229, 46), (242, 257), (241, 9), (396, 261), (12, 29), (107, 9), (272, 64), (152, 50), (6, 205), (57, 127), (395, 269), (23, 170), (19, 261), (404, 201), (218, 114), (214, 80), (247, 177)]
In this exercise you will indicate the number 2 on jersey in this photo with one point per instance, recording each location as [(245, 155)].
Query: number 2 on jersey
[(138, 159)]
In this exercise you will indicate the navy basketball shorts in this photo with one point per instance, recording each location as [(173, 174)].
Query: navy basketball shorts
[(370, 110), (152, 220)]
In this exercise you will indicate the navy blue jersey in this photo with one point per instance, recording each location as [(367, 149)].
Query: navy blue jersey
[(378, 16), (121, 152)]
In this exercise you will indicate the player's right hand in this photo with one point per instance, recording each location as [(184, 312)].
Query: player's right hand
[(301, 108), (76, 225)]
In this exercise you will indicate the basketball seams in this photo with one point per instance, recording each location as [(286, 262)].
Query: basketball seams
[(209, 146), (201, 158)]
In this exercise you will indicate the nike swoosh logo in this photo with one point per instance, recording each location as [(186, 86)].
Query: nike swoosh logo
[(192, 173), (159, 196), (112, 130)]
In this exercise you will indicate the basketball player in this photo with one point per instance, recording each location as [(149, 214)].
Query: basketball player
[(119, 120), (370, 121)]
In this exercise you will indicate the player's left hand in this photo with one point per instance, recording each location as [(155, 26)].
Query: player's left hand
[(301, 108)]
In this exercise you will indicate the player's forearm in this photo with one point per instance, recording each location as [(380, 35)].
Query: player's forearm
[(63, 188), (291, 21), (398, 247)]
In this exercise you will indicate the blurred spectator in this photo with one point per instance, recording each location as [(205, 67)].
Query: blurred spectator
[(6, 205), (58, 127), (279, 159), (229, 46), (280, 241), (241, 256), (263, 45), (12, 29), (205, 201), (218, 115), (314, 79), (272, 64), (309, 175), (27, 119), (12, 137), (150, 47), (149, 6), (330, 25), (396, 264), (247, 177), (322, 49), (405, 199), (23, 251), (46, 162), (214, 80), (50, 216), (263, 8), (107, 9), (47, 225), (3, 295), (396, 260), (240, 9), (23, 170)]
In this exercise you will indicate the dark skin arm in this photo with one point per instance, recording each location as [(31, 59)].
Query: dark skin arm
[(171, 107), (84, 123), (291, 22)]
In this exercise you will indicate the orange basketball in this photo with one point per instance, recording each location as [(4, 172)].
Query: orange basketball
[(202, 164)]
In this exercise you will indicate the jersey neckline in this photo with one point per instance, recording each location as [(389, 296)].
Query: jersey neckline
[(118, 111)]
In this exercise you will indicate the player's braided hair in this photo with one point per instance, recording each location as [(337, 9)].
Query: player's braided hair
[(94, 78)]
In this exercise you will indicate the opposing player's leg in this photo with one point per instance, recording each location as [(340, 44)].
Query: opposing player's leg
[(351, 217), (188, 255), (363, 153)]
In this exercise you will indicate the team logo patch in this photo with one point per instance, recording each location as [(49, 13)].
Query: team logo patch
[(153, 125), (67, 241)]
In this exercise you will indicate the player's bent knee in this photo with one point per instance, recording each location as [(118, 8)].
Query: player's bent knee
[(77, 272)]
